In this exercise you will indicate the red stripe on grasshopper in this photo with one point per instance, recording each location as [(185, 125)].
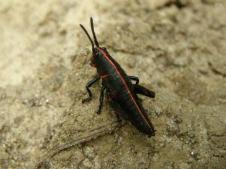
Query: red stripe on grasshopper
[(124, 82)]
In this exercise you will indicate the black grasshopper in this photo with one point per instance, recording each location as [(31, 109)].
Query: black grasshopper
[(118, 86)]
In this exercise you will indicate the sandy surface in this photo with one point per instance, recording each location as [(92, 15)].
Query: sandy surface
[(177, 48)]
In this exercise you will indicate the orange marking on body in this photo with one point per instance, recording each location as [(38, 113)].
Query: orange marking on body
[(104, 76)]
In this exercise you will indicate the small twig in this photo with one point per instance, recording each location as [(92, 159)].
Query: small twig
[(215, 70), (94, 133)]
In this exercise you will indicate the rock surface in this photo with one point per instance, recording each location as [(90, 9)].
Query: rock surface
[(176, 47)]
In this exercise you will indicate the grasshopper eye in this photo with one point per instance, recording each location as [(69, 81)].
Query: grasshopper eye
[(95, 52), (92, 63)]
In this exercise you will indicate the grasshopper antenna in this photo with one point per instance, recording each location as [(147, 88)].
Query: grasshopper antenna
[(94, 35), (87, 34)]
